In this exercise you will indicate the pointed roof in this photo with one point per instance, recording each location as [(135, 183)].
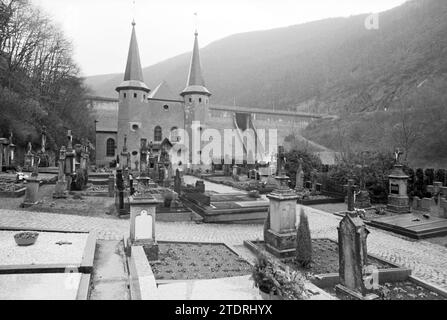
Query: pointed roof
[(133, 76), (163, 92), (196, 82)]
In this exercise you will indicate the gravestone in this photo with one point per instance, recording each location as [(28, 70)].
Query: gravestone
[(427, 204), (280, 238), (362, 200), (398, 200), (32, 188), (350, 195), (353, 257), (299, 178), (69, 161), (178, 182), (120, 194), (61, 185), (200, 186), (111, 185), (142, 225)]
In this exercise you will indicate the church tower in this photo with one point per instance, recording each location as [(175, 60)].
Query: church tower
[(195, 95), (133, 94)]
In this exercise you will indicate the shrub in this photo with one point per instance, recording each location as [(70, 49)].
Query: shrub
[(303, 242), (271, 278)]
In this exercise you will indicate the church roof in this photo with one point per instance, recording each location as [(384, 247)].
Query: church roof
[(133, 76), (196, 82), (163, 92)]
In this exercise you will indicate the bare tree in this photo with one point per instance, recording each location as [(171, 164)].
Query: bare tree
[(407, 131)]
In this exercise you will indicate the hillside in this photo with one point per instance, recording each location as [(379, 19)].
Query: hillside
[(331, 66)]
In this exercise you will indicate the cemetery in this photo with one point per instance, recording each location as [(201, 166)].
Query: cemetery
[(288, 258)]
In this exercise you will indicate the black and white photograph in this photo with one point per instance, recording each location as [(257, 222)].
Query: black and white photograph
[(223, 156)]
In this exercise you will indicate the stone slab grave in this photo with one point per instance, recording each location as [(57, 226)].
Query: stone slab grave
[(414, 225), (53, 252), (44, 286)]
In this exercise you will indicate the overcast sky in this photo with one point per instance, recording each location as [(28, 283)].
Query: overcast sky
[(100, 29)]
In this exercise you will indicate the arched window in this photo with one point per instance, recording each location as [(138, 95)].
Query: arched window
[(110, 147), (158, 135), (174, 134)]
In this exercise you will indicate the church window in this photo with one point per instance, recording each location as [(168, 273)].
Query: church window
[(110, 147), (135, 127), (144, 97), (200, 100), (174, 134), (158, 133), (135, 95), (179, 153), (166, 107), (125, 95), (190, 99)]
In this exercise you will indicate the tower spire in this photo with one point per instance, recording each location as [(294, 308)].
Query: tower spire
[(196, 82), (133, 76)]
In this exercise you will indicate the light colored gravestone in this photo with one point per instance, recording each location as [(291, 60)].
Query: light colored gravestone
[(142, 225), (353, 257)]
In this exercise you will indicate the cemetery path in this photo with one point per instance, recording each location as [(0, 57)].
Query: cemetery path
[(427, 260)]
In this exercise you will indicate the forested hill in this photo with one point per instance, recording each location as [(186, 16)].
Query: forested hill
[(331, 65)]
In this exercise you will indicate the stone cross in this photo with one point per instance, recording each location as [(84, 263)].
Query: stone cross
[(44, 138)]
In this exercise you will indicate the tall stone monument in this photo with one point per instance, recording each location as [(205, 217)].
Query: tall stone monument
[(398, 200), (280, 238)]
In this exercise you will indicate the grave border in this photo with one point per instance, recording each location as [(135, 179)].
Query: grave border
[(84, 267)]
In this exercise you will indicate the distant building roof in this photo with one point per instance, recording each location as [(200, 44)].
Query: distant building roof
[(164, 92)]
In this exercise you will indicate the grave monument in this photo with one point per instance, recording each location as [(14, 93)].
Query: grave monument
[(280, 238), (398, 200)]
